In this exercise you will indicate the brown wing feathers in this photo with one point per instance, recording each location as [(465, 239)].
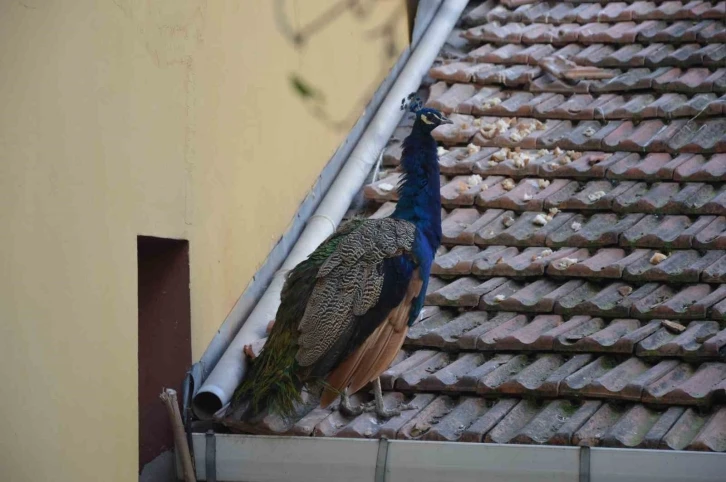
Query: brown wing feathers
[(349, 284), (375, 355)]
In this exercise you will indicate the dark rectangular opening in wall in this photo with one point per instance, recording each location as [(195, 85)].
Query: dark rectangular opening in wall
[(165, 352)]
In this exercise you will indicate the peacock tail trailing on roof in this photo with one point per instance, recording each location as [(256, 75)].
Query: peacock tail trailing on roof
[(346, 309)]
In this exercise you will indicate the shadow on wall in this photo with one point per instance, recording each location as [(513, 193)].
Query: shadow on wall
[(383, 33)]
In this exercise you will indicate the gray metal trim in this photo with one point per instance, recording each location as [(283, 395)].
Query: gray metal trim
[(210, 456), (584, 464), (425, 12), (253, 458), (381, 460)]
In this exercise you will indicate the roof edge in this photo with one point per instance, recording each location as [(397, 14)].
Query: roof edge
[(256, 457)]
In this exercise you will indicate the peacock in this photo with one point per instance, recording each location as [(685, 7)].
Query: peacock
[(346, 309)]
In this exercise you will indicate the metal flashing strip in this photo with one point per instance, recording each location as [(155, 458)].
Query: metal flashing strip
[(381, 460), (210, 456), (252, 458), (584, 464)]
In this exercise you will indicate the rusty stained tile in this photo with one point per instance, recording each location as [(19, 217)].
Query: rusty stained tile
[(333, 423), (494, 413), (673, 198), (452, 426), (476, 104), (463, 190), (384, 189), (593, 337), (713, 435), (455, 161), (446, 378), (457, 71), (511, 167), (688, 344), (509, 426), (594, 231), (523, 232), (670, 232), (422, 422), (631, 137), (367, 425), (468, 382), (716, 272), (389, 428), (689, 302), (681, 267), (452, 98), (531, 336), (461, 225), (632, 428), (612, 300), (415, 359), (557, 420), (652, 167), (597, 426), (448, 336), (457, 261), (589, 165), (485, 336), (596, 195), (530, 262), (539, 296), (485, 263), (684, 426), (629, 379), (460, 132), (528, 195), (700, 168), (480, 14), (411, 378), (577, 382), (686, 384), (306, 425), (437, 318), (700, 137), (463, 292), (603, 263), (712, 235)]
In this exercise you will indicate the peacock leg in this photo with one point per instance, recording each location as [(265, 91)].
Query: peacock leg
[(380, 408), (347, 408)]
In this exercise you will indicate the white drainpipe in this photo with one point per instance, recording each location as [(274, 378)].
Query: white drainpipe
[(229, 371)]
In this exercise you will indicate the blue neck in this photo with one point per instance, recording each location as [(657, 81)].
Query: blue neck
[(419, 193)]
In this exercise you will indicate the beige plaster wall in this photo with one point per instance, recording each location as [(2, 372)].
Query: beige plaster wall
[(172, 118)]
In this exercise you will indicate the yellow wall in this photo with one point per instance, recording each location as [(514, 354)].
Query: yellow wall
[(171, 118)]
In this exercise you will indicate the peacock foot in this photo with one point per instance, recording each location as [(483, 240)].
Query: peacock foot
[(348, 409), (379, 407)]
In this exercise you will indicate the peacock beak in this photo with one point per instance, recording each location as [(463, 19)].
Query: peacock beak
[(446, 120)]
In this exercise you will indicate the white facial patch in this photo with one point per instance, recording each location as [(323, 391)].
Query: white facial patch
[(425, 119)]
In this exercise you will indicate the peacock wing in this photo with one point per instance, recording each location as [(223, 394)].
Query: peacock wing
[(349, 282)]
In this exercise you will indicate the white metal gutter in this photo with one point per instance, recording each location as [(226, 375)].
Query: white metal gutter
[(251, 458), (229, 371)]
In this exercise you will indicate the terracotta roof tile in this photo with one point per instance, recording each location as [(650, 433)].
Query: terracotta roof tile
[(584, 234)]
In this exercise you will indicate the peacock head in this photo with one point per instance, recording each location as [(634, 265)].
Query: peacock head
[(427, 119)]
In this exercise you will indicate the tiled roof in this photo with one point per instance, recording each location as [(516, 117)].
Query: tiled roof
[(579, 297)]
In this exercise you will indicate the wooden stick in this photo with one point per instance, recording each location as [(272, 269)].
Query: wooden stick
[(168, 396)]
